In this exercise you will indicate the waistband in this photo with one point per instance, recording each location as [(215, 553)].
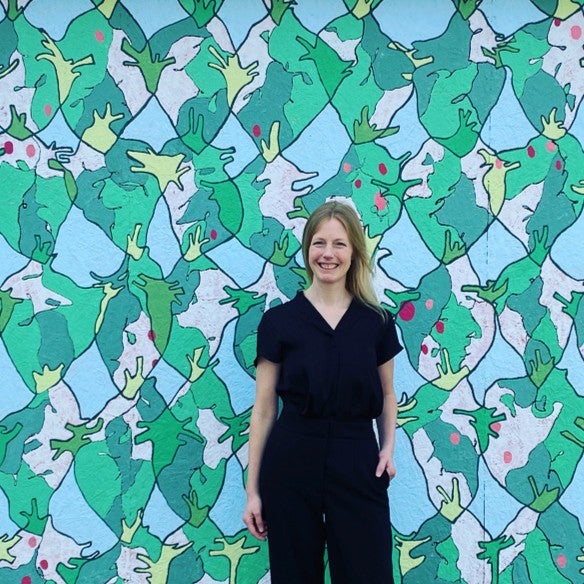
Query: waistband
[(291, 419)]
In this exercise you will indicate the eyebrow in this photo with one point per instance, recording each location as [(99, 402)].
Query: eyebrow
[(337, 240)]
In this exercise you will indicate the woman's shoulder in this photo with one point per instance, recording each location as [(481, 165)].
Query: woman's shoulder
[(283, 310), (375, 314)]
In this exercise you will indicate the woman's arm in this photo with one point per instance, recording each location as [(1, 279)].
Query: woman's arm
[(386, 422), (262, 418)]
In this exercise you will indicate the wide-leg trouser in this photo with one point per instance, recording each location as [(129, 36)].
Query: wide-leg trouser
[(318, 486)]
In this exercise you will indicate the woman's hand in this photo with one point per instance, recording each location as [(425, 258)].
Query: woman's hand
[(252, 517), (386, 422), (263, 415), (385, 464)]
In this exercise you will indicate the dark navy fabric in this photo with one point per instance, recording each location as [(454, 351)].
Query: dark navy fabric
[(318, 488), (326, 372)]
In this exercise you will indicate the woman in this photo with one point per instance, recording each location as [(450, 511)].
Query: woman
[(316, 475)]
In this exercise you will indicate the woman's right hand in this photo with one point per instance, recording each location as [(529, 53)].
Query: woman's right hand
[(263, 415), (252, 517)]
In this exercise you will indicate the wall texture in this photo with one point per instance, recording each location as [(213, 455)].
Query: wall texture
[(157, 163)]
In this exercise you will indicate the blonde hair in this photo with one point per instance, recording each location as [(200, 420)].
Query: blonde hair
[(359, 282)]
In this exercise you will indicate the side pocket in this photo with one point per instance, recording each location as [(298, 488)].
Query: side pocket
[(385, 478)]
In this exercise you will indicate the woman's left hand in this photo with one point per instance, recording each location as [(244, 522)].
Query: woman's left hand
[(385, 464)]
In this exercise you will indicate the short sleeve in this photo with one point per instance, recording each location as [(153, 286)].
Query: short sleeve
[(269, 344), (388, 345)]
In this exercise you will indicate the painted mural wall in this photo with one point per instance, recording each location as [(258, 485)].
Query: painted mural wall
[(158, 160)]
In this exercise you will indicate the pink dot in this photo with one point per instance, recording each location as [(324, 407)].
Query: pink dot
[(32, 542), (8, 147), (557, 22), (507, 457), (440, 327), (455, 438), (256, 131), (424, 349), (498, 163), (30, 150), (429, 303), (379, 201), (562, 561), (496, 426), (576, 32), (44, 564), (558, 165), (407, 311), (99, 36), (550, 146), (358, 183), (151, 335), (213, 234), (347, 167), (382, 168), (154, 363), (48, 109), (26, 580), (531, 151)]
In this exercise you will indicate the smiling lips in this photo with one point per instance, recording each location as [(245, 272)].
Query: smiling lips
[(327, 266)]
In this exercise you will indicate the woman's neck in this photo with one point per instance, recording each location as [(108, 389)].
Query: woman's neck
[(334, 295)]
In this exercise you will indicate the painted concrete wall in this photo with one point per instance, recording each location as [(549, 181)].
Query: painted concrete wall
[(157, 163)]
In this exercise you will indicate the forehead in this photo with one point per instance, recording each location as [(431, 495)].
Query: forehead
[(331, 228)]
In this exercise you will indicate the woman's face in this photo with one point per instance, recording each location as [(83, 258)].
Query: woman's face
[(330, 252)]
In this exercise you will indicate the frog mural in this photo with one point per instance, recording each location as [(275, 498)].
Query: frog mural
[(158, 164)]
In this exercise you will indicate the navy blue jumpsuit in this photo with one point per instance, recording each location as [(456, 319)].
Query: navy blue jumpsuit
[(317, 477)]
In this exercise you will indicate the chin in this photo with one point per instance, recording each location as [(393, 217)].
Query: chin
[(329, 278)]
